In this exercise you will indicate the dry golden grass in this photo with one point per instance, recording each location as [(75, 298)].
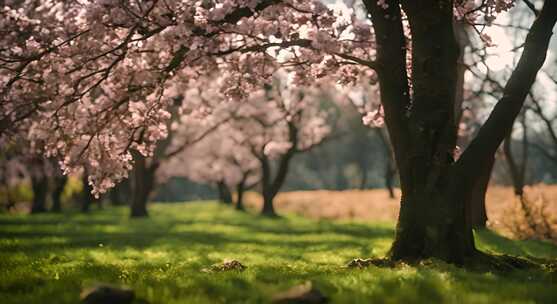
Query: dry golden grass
[(503, 208)]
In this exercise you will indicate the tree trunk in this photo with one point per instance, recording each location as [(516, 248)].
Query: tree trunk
[(267, 193), (120, 194), (86, 197), (39, 185), (240, 196), (518, 184), (517, 171), (363, 170), (225, 196), (268, 207), (432, 224), (271, 186), (389, 179), (390, 167), (59, 185), (143, 185), (476, 215), (114, 196), (435, 189), (432, 215)]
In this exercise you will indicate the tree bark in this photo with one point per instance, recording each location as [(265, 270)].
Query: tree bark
[(271, 186), (476, 215), (268, 206), (143, 185), (120, 194), (240, 196), (432, 220), (86, 197), (59, 185), (430, 223), (225, 196), (39, 184)]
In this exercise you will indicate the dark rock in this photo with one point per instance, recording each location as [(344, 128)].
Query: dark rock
[(301, 294), (107, 294)]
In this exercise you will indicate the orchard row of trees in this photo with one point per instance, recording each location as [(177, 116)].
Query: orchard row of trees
[(96, 85)]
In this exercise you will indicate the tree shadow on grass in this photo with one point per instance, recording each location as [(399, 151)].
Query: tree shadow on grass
[(491, 241), (51, 233)]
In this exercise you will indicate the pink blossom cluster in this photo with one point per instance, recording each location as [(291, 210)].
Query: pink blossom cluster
[(89, 81), (273, 121)]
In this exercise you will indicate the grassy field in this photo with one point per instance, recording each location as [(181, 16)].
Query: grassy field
[(503, 208), (50, 258)]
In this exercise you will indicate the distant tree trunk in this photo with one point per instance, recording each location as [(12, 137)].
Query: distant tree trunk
[(225, 196), (114, 196), (389, 179), (363, 181), (340, 179), (39, 185), (271, 186), (120, 194), (240, 196), (517, 171), (86, 197), (143, 185), (59, 185), (390, 167), (268, 206)]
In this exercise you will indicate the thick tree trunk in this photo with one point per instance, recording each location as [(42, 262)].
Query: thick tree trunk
[(39, 185), (432, 224), (432, 214), (138, 206), (59, 185), (432, 220), (143, 185)]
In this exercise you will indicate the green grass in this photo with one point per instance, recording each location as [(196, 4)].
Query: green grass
[(49, 258)]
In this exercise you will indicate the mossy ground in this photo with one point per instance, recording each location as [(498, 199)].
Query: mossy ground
[(49, 258)]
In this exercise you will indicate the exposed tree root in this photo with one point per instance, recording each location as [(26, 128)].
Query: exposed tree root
[(363, 263), (482, 261), (479, 261)]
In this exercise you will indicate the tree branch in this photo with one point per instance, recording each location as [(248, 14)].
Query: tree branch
[(501, 119)]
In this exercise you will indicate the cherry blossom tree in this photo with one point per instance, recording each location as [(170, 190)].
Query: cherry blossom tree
[(19, 166), (95, 79), (257, 141)]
